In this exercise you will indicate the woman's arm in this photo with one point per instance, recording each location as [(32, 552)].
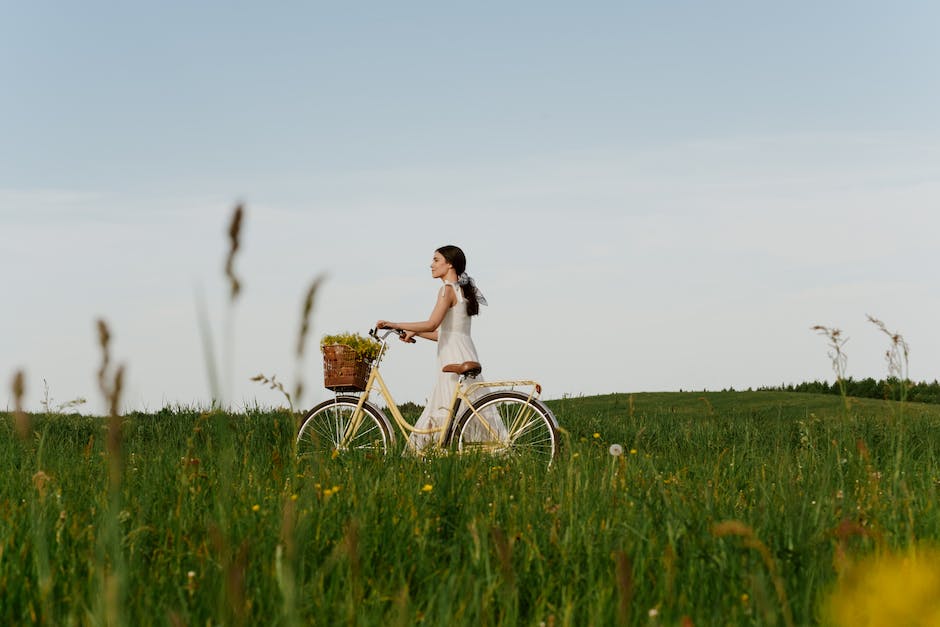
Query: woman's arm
[(426, 328)]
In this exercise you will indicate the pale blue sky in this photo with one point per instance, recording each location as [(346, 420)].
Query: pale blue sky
[(674, 192)]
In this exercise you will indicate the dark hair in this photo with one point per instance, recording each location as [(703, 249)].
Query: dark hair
[(455, 257)]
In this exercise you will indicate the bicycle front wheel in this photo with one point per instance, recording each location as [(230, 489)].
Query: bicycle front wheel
[(336, 425), (514, 424)]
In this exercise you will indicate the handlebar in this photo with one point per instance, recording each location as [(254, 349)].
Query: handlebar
[(375, 333)]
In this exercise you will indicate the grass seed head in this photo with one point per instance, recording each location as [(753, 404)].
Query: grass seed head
[(104, 341), (20, 417), (234, 237), (897, 355), (732, 528)]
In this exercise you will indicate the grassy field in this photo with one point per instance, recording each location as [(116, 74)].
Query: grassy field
[(737, 508)]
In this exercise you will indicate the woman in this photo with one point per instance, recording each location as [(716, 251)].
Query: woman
[(449, 326)]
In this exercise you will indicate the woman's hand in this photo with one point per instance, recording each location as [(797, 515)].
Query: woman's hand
[(383, 324), (408, 336)]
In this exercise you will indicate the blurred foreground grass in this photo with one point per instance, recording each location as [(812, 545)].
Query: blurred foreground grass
[(723, 508)]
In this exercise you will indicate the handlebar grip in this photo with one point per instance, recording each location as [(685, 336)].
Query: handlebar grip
[(401, 334)]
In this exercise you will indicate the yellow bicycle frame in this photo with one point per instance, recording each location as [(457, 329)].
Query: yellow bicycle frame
[(461, 394)]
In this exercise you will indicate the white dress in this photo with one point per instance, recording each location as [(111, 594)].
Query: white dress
[(454, 346)]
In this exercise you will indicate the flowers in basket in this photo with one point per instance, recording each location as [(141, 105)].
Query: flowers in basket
[(365, 348), (347, 361)]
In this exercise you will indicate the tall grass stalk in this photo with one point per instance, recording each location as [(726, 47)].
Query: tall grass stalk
[(234, 232), (111, 566), (305, 324), (837, 356), (208, 348), (897, 358)]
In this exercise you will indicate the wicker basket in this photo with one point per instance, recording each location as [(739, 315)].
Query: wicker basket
[(343, 371)]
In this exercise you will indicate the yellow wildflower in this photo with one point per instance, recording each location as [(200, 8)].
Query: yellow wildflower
[(427, 487), (255, 507), (889, 589)]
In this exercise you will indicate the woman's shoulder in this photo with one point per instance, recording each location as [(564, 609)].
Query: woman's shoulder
[(449, 291)]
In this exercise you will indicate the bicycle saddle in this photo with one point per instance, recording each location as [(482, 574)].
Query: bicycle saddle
[(468, 368)]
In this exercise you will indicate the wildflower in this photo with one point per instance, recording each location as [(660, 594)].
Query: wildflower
[(633, 451), (255, 507), (654, 612), (745, 598), (889, 589), (427, 487), (597, 435), (293, 497), (616, 450), (575, 455)]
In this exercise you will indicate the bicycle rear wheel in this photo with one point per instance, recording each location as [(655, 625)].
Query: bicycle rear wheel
[(530, 427), (329, 427)]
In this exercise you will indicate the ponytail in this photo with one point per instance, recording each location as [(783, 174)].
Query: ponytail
[(470, 294)]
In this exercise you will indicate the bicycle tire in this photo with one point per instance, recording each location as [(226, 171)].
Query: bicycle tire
[(531, 427), (324, 426)]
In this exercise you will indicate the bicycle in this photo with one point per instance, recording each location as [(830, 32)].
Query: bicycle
[(352, 422)]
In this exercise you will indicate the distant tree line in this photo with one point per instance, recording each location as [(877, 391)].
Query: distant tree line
[(891, 389)]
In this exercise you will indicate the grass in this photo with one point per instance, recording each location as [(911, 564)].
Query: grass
[(724, 508)]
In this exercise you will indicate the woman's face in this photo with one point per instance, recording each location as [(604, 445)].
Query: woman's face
[(439, 266)]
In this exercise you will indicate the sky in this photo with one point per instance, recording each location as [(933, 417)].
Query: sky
[(652, 196)]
